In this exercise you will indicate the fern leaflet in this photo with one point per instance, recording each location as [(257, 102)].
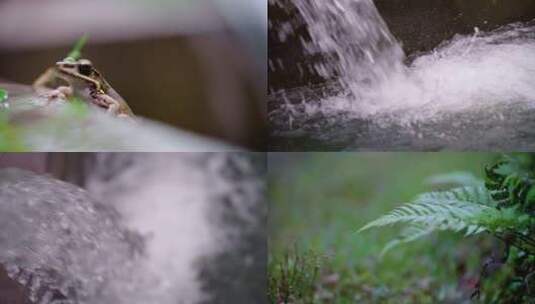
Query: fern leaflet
[(446, 210)]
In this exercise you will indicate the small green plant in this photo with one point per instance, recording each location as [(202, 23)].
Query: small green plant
[(502, 205), (292, 277), (77, 108), (76, 52), (3, 95)]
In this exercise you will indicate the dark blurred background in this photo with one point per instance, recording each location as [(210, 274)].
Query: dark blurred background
[(196, 65), (420, 26)]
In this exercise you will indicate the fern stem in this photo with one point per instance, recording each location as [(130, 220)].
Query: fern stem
[(517, 244), (525, 238)]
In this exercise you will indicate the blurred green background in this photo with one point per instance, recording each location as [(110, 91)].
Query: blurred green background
[(319, 200)]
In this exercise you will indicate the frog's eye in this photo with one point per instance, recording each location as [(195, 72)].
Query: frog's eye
[(85, 69)]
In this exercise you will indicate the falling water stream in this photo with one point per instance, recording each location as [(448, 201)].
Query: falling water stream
[(149, 228), (473, 91), (359, 48)]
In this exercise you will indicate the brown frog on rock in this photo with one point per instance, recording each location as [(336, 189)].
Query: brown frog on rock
[(83, 80)]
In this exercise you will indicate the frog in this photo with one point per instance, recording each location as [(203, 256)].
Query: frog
[(82, 80)]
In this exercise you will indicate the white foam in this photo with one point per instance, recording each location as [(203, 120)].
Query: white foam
[(170, 208), (466, 73), (172, 199), (358, 50), (175, 207), (352, 36)]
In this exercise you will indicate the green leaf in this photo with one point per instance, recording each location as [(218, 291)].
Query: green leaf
[(506, 218), (77, 107), (3, 95), (408, 234), (530, 197), (444, 209), (459, 209), (76, 52)]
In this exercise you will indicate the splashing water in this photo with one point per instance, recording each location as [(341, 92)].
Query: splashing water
[(176, 242), (359, 47), (152, 224), (467, 72), (485, 78), (60, 244)]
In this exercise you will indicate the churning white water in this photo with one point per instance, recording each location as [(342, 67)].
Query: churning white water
[(169, 199), (143, 232), (469, 73), (61, 244)]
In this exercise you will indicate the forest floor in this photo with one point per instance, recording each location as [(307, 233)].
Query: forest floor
[(319, 201)]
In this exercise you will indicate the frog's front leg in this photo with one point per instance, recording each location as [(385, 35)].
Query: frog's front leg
[(62, 92), (113, 106)]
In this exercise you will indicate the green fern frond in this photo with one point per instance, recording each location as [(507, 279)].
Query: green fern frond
[(408, 234), (500, 220), (459, 209), (417, 231), (511, 182), (478, 195), (504, 206), (468, 209), (519, 164), (447, 210)]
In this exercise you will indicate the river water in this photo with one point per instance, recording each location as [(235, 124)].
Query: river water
[(471, 92)]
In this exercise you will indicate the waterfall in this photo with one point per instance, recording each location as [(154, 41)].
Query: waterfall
[(356, 48), (147, 228), (356, 44), (442, 98)]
